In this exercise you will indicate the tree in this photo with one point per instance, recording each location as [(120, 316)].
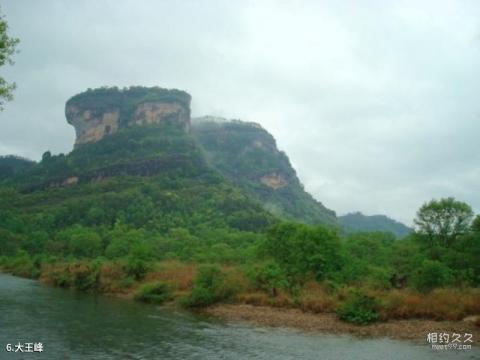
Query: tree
[(441, 221), (431, 274), (300, 249), (7, 49), (476, 225)]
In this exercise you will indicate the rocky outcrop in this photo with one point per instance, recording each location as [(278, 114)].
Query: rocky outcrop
[(274, 181), (97, 113), (91, 125), (156, 112)]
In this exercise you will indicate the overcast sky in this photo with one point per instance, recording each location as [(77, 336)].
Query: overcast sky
[(376, 103)]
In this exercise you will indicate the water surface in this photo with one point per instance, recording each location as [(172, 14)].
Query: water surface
[(73, 325)]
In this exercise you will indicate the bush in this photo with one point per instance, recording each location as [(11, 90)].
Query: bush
[(210, 286), (431, 274), (156, 293), (136, 267), (359, 308), (268, 277), (58, 275), (84, 276), (379, 278)]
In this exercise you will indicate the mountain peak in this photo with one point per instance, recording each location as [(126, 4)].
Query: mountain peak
[(99, 112)]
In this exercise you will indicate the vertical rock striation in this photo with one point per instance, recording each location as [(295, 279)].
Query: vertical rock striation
[(100, 112)]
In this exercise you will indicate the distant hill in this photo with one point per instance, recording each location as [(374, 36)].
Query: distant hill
[(12, 164), (358, 222), (247, 155)]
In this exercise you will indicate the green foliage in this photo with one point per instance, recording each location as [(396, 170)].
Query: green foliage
[(7, 49), (359, 308), (357, 222), (143, 187), (440, 222), (22, 264), (79, 241), (464, 257), (210, 286), (431, 274), (475, 228), (11, 165), (244, 153), (157, 293), (301, 250), (379, 277), (368, 260), (60, 276), (126, 99), (267, 277), (10, 242), (84, 275), (136, 267)]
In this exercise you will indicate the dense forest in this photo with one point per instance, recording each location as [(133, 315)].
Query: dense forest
[(359, 222), (167, 215)]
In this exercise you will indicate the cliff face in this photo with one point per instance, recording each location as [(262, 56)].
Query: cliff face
[(97, 113), (91, 125)]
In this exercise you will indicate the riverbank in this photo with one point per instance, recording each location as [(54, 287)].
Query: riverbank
[(402, 313), (89, 326), (412, 329), (282, 317)]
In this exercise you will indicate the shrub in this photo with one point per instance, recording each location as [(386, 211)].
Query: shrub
[(111, 276), (57, 275), (84, 276), (136, 267), (431, 274), (268, 277), (359, 308), (439, 304), (22, 264), (210, 286), (316, 298), (379, 278), (157, 292)]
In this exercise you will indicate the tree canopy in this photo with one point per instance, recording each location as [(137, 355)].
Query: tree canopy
[(8, 46), (441, 221)]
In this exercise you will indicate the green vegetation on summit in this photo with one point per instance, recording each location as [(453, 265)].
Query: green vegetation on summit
[(126, 99)]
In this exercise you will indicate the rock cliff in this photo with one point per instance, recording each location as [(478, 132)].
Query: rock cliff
[(100, 112)]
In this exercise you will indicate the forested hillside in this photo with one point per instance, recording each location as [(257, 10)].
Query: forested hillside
[(11, 165), (247, 155), (358, 222), (148, 181)]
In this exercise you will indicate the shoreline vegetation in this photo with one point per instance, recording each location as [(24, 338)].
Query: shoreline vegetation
[(402, 313)]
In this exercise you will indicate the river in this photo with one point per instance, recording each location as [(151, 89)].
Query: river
[(73, 325)]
